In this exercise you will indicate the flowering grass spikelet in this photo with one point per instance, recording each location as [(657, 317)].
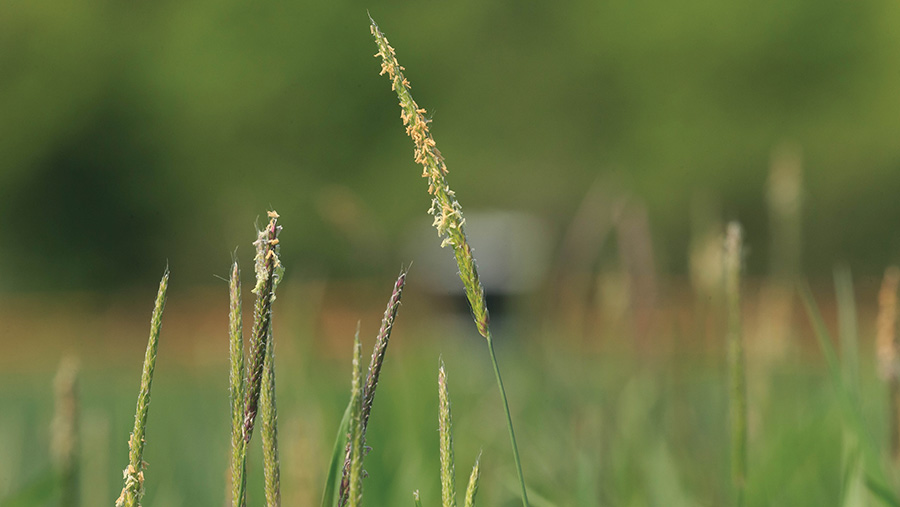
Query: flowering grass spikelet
[(472, 489), (354, 495), (447, 212), (374, 371), (268, 275), (133, 474), (448, 217), (237, 385), (448, 468)]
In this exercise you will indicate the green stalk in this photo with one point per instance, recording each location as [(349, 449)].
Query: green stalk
[(736, 360), (447, 212), (64, 437), (134, 473), (509, 425)]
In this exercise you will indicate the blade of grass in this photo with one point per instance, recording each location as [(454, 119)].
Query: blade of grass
[(331, 497), (448, 217), (40, 491), (416, 498), (847, 328), (853, 484), (850, 410), (882, 493), (134, 472), (65, 428)]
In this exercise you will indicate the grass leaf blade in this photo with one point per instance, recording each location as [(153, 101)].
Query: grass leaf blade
[(330, 497)]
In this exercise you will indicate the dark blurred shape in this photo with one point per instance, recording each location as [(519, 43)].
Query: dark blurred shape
[(82, 218)]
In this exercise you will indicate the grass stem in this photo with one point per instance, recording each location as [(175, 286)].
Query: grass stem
[(736, 360)]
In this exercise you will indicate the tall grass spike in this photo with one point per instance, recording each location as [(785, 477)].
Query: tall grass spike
[(237, 385), (448, 468), (356, 437), (472, 489), (269, 429), (267, 263), (374, 371), (447, 213), (738, 384), (133, 474)]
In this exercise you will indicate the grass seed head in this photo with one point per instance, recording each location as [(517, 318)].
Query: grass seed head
[(448, 469)]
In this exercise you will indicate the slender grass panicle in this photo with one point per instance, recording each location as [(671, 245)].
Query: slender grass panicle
[(738, 384), (64, 432), (416, 499), (255, 390), (475, 476), (237, 386), (354, 495), (269, 429), (381, 343), (447, 212), (134, 472), (267, 273), (374, 371), (448, 468)]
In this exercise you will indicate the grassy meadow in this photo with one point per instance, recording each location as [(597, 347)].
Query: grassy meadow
[(599, 421)]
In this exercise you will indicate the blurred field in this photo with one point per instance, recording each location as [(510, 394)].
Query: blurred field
[(602, 419)]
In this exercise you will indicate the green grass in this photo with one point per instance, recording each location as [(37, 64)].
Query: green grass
[(602, 428)]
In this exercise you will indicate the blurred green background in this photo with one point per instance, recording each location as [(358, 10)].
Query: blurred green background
[(132, 133), (136, 134)]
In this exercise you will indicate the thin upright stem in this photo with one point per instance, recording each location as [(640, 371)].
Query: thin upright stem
[(509, 424)]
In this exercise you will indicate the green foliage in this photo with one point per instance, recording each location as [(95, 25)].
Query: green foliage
[(156, 113), (851, 410)]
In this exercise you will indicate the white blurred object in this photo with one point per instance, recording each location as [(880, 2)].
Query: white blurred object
[(512, 250)]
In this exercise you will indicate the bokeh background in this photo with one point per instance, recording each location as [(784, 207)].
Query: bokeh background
[(598, 148)]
